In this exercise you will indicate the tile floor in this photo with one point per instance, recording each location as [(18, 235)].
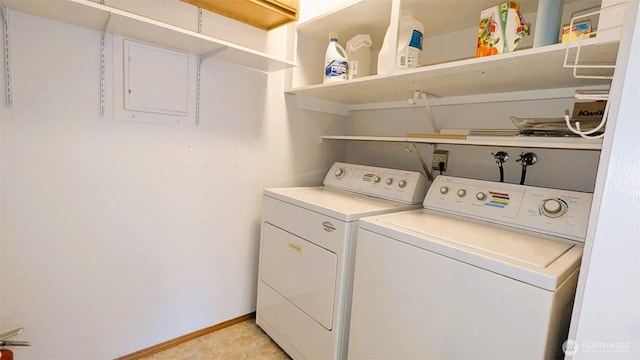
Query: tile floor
[(242, 341)]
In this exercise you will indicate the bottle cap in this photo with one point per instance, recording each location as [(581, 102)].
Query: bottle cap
[(333, 36)]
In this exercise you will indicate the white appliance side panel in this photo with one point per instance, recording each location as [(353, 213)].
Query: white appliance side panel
[(410, 303), (293, 330), (300, 271)]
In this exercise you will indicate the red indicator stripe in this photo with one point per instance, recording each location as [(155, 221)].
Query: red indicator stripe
[(498, 194)]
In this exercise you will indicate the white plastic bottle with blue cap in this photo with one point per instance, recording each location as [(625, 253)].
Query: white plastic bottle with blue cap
[(336, 64)]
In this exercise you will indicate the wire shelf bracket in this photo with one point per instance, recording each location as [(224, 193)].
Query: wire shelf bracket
[(598, 71)]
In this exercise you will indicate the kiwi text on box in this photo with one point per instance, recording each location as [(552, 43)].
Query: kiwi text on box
[(584, 111)]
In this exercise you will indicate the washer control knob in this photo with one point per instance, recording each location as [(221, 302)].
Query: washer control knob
[(402, 184), (376, 179), (389, 181), (462, 193), (340, 172), (481, 196), (553, 208), (444, 190)]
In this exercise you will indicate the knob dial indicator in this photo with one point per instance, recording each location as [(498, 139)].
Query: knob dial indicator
[(444, 190), (480, 196), (402, 184), (376, 179), (553, 208), (462, 192), (340, 172), (389, 181)]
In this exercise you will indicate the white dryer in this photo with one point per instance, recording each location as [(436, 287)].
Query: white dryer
[(306, 253), (487, 270)]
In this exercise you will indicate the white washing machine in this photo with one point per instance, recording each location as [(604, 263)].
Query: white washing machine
[(485, 271), (306, 253)]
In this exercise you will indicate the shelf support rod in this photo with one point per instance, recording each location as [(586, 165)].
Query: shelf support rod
[(199, 62), (198, 72), (7, 58), (427, 106), (103, 55), (434, 124), (423, 164), (102, 68)]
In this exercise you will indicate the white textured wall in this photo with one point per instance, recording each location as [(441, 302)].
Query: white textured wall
[(116, 236), (312, 8)]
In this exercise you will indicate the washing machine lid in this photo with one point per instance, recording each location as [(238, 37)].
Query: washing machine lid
[(342, 205), (539, 260)]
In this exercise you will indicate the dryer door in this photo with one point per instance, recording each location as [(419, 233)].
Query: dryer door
[(300, 271)]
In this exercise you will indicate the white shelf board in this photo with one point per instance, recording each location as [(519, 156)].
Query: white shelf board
[(529, 69), (365, 138), (574, 143), (99, 17)]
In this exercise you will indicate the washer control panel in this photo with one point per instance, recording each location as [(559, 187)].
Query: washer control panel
[(554, 212), (403, 186)]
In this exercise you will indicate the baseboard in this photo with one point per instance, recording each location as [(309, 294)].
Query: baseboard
[(184, 338)]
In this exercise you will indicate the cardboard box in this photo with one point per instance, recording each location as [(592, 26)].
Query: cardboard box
[(501, 29), (576, 31), (588, 111)]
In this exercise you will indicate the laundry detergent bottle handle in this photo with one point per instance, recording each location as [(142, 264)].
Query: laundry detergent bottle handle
[(336, 64)]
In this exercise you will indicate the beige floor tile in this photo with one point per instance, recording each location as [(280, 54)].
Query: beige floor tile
[(242, 341)]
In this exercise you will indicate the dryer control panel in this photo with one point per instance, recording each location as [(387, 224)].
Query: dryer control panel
[(554, 212), (408, 187)]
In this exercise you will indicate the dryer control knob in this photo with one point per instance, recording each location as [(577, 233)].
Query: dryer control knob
[(402, 184), (553, 208), (481, 196), (389, 181), (340, 172), (462, 193), (376, 179), (444, 190)]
